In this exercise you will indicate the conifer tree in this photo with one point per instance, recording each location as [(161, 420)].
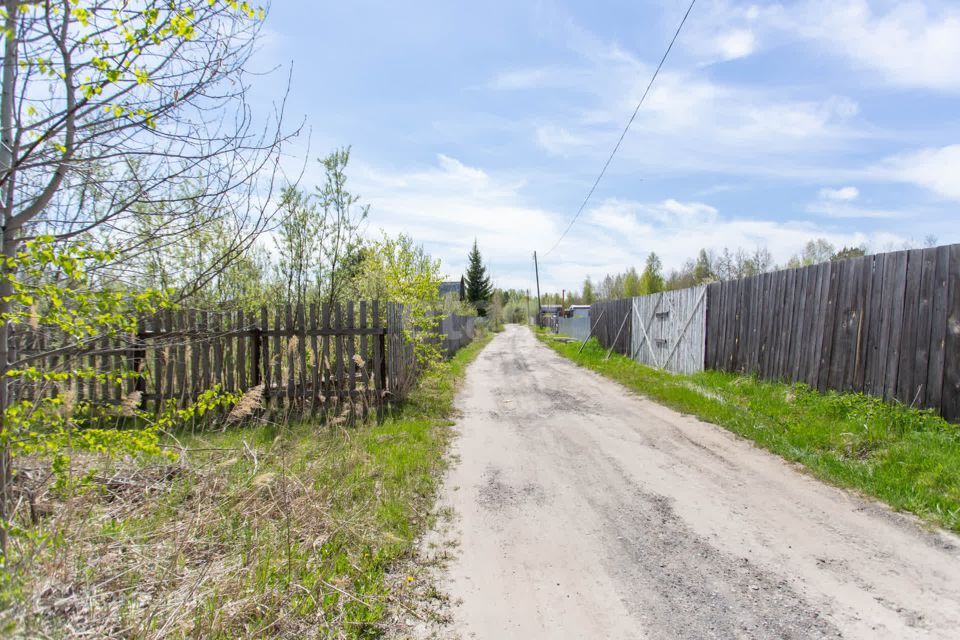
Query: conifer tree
[(479, 288)]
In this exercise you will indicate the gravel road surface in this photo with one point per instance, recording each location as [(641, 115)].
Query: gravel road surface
[(585, 511)]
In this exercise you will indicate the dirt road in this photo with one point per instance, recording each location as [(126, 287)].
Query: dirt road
[(584, 511)]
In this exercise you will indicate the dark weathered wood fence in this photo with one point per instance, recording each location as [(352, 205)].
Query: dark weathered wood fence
[(611, 324), (887, 325), (306, 357), (456, 332)]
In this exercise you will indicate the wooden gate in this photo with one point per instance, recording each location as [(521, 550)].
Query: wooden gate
[(669, 330)]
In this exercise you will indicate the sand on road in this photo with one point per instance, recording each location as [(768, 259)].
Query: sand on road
[(582, 510)]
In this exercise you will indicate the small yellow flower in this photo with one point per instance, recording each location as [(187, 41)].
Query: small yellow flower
[(409, 578)]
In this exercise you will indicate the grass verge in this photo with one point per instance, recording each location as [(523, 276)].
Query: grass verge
[(906, 457), (282, 530)]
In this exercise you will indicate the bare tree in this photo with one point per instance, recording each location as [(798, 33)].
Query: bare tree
[(111, 110), (341, 243), (298, 241)]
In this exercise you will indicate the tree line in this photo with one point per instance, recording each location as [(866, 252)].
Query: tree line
[(708, 266)]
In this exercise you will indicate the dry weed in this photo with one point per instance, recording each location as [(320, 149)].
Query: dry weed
[(176, 550)]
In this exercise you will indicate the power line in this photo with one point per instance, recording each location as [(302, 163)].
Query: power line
[(625, 129)]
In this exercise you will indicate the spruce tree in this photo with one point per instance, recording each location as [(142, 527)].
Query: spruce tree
[(479, 288)]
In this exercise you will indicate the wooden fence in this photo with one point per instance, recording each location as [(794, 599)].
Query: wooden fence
[(887, 325), (457, 332), (305, 357), (668, 330), (611, 324)]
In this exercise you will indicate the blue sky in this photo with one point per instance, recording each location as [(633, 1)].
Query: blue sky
[(772, 123)]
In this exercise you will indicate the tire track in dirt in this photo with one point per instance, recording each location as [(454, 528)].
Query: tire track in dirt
[(584, 511)]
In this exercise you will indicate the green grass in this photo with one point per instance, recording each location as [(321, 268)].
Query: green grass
[(906, 457), (274, 530)]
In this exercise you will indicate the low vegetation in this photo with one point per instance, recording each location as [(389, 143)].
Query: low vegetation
[(906, 457), (273, 529)]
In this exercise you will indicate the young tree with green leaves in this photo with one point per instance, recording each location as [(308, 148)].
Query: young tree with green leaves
[(400, 270), (479, 288), (651, 281), (108, 108), (588, 295), (631, 283), (703, 268)]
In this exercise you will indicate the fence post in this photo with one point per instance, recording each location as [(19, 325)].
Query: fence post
[(138, 356), (263, 354), (257, 336)]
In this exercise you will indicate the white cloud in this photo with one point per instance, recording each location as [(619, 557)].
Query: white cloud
[(845, 210), (735, 44), (558, 140), (838, 203), (721, 30), (447, 205), (619, 233), (619, 217), (905, 43), (913, 43), (689, 122), (843, 194), (936, 169)]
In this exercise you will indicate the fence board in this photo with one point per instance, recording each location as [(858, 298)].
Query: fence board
[(950, 396), (265, 363), (897, 284), (338, 353), (243, 380), (317, 362), (873, 376), (351, 351), (216, 329), (906, 389), (379, 343), (796, 338), (938, 328), (864, 293), (158, 373)]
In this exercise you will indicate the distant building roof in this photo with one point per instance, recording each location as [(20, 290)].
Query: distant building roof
[(454, 287)]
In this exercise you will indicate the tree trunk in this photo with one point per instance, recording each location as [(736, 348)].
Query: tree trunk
[(9, 250)]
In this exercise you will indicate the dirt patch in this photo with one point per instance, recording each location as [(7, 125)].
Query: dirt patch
[(594, 513)]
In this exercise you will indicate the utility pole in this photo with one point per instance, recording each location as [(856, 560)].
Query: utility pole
[(536, 270)]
